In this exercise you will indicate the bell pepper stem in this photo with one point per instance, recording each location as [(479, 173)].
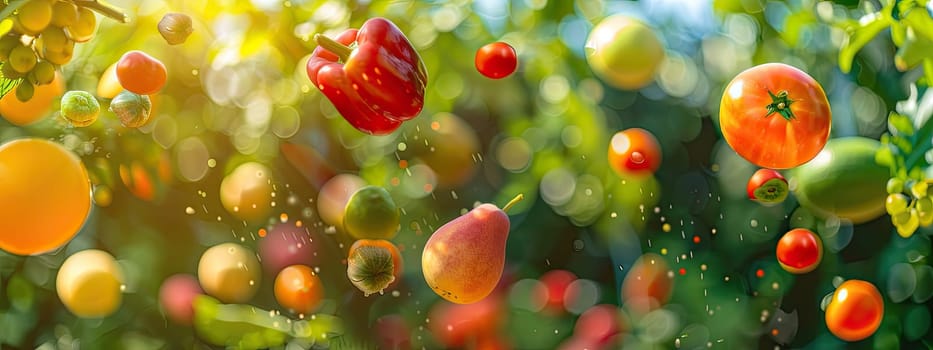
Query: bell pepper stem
[(517, 199), (341, 50)]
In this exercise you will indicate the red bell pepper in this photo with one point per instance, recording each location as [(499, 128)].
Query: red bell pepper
[(374, 77)]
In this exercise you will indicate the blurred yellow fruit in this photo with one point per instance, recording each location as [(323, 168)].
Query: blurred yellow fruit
[(34, 16), (624, 52), (84, 26), (64, 13), (89, 284), (246, 192), (229, 272), (108, 86)]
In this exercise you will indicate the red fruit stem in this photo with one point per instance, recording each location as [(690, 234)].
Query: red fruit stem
[(341, 50), (512, 202)]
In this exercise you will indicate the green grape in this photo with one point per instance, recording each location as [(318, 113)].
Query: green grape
[(34, 16), (7, 43), (925, 204), (907, 226), (919, 189), (22, 59), (64, 13), (24, 91), (895, 185), (43, 74), (84, 26), (925, 218), (52, 39), (896, 203)]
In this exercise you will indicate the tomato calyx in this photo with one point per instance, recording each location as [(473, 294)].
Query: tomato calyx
[(780, 104)]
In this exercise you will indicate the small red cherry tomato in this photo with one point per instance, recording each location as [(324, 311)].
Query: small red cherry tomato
[(799, 251), (555, 283), (634, 151), (140, 73), (855, 311), (496, 60), (767, 186)]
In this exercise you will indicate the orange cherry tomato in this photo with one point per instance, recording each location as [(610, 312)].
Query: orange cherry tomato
[(799, 251), (298, 289), (856, 310), (45, 196), (775, 116), (634, 151), (140, 73), (647, 286)]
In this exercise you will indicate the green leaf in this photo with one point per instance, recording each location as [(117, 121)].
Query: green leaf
[(859, 37), (22, 294), (923, 135), (7, 85), (900, 125), (245, 326)]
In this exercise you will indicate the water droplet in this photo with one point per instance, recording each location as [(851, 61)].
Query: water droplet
[(577, 245)]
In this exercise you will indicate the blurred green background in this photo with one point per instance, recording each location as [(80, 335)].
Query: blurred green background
[(238, 92)]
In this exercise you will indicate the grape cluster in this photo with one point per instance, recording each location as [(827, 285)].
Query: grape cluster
[(910, 204), (43, 37)]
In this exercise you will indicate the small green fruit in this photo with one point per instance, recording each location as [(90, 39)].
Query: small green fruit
[(371, 214), (132, 109), (80, 108)]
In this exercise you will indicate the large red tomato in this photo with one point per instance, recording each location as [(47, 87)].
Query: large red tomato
[(775, 116), (855, 311)]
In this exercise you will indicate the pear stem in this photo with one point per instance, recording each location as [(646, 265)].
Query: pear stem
[(512, 202)]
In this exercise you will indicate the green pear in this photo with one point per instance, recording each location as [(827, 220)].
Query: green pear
[(463, 260)]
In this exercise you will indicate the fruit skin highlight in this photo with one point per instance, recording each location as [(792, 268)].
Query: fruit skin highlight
[(464, 259)]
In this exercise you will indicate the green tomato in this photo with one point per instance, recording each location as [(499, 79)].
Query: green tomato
[(80, 108), (624, 52), (371, 214)]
